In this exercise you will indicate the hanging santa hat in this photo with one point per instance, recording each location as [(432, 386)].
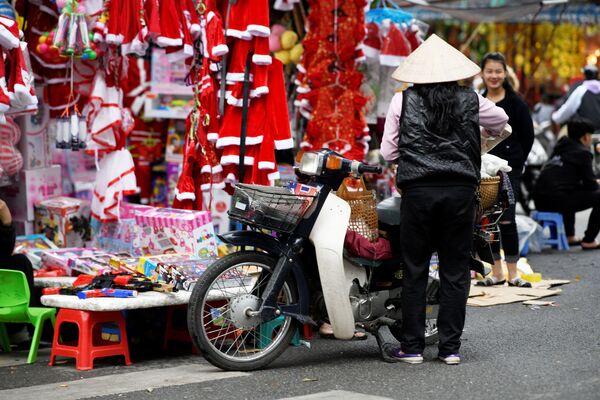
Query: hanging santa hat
[(9, 33), (20, 84), (372, 42), (412, 35), (395, 48)]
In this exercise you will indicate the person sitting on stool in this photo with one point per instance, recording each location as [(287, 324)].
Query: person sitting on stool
[(567, 183)]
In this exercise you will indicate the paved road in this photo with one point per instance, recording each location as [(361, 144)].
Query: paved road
[(511, 351)]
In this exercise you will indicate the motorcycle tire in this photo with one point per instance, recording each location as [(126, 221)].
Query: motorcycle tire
[(219, 325)]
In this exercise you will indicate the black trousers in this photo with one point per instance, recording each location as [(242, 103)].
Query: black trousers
[(436, 218), (509, 236), (568, 204)]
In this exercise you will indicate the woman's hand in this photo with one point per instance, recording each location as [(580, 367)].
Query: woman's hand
[(5, 217)]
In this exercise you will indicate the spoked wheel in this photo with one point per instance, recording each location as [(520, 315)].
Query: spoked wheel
[(222, 314), (431, 331)]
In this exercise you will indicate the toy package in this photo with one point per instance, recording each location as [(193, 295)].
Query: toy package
[(182, 275), (148, 265), (64, 220), (59, 259), (168, 230), (95, 264), (119, 235), (33, 246), (125, 264)]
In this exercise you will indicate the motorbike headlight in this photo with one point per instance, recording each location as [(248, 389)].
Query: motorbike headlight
[(311, 164)]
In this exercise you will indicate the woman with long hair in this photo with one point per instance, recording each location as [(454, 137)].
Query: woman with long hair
[(432, 132), (514, 150)]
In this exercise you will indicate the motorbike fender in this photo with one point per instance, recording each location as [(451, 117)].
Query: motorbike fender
[(328, 236), (273, 247)]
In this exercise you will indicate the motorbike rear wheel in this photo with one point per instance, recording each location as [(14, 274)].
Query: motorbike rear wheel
[(431, 331), (220, 324)]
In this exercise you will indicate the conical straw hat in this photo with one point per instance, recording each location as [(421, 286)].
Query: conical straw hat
[(435, 61)]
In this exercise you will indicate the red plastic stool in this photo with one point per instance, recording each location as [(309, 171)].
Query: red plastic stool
[(178, 333), (90, 344)]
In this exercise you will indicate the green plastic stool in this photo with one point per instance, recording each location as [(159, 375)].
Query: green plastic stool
[(266, 329), (14, 308)]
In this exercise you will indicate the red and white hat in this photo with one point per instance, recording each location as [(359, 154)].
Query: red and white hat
[(395, 47), (9, 33), (372, 43)]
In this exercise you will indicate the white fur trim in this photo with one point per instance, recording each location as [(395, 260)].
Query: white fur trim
[(262, 59), (238, 34), (258, 30), (214, 67), (195, 29), (185, 195), (301, 68), (205, 169), (237, 77), (217, 169), (212, 136), (164, 41), (233, 159), (284, 144), (273, 176), (266, 165), (391, 60), (7, 39), (303, 89), (114, 39), (360, 59), (4, 107), (306, 114), (259, 91), (210, 16), (219, 50), (371, 52), (235, 141)]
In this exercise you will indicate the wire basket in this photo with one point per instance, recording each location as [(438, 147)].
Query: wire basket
[(488, 191), (273, 208)]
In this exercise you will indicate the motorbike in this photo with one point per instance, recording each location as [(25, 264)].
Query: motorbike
[(247, 307)]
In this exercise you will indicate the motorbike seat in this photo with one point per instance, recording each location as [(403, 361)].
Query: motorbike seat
[(361, 261)]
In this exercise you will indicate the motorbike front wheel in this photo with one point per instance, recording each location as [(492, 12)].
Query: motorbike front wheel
[(220, 318)]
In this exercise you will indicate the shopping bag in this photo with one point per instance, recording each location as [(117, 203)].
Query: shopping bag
[(363, 218)]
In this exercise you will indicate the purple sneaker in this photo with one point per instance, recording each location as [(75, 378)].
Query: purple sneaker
[(451, 359), (410, 358)]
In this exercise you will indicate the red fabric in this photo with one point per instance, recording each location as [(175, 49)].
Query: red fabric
[(359, 246)]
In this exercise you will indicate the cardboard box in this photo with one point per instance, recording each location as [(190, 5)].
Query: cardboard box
[(33, 186), (168, 230), (119, 235), (35, 144), (64, 220)]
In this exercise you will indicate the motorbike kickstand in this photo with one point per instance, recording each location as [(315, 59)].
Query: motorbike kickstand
[(385, 348)]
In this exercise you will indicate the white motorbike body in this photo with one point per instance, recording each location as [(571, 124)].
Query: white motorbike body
[(336, 276)]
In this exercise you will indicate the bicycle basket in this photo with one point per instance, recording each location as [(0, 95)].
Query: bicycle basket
[(273, 208), (488, 190)]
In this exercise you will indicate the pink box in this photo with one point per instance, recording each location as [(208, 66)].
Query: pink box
[(168, 230), (33, 186), (118, 235), (64, 220)]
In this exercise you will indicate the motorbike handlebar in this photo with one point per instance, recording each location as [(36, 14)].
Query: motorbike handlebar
[(360, 168), (375, 169)]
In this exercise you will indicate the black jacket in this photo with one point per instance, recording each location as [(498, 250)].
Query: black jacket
[(426, 156), (568, 169), (517, 146), (7, 240)]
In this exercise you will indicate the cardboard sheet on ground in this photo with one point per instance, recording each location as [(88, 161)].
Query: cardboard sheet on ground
[(483, 296)]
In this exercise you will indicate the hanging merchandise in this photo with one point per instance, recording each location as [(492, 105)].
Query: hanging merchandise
[(11, 160), (17, 94), (392, 35), (329, 83)]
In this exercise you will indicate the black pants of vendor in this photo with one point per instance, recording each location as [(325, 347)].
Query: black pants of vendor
[(568, 204), (436, 218)]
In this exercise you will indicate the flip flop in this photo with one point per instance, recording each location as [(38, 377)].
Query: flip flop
[(355, 337), (490, 282), (519, 283), (597, 247)]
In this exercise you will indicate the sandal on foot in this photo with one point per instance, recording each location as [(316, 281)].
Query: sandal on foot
[(490, 282), (327, 333), (596, 247), (518, 282), (574, 242)]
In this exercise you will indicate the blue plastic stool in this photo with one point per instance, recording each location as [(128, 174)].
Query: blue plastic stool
[(554, 223), (266, 333)]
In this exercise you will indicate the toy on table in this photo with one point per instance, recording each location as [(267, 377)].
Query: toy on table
[(33, 246)]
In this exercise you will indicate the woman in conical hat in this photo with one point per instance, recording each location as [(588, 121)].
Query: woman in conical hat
[(432, 131)]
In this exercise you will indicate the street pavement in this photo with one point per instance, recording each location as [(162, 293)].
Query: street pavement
[(510, 352)]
